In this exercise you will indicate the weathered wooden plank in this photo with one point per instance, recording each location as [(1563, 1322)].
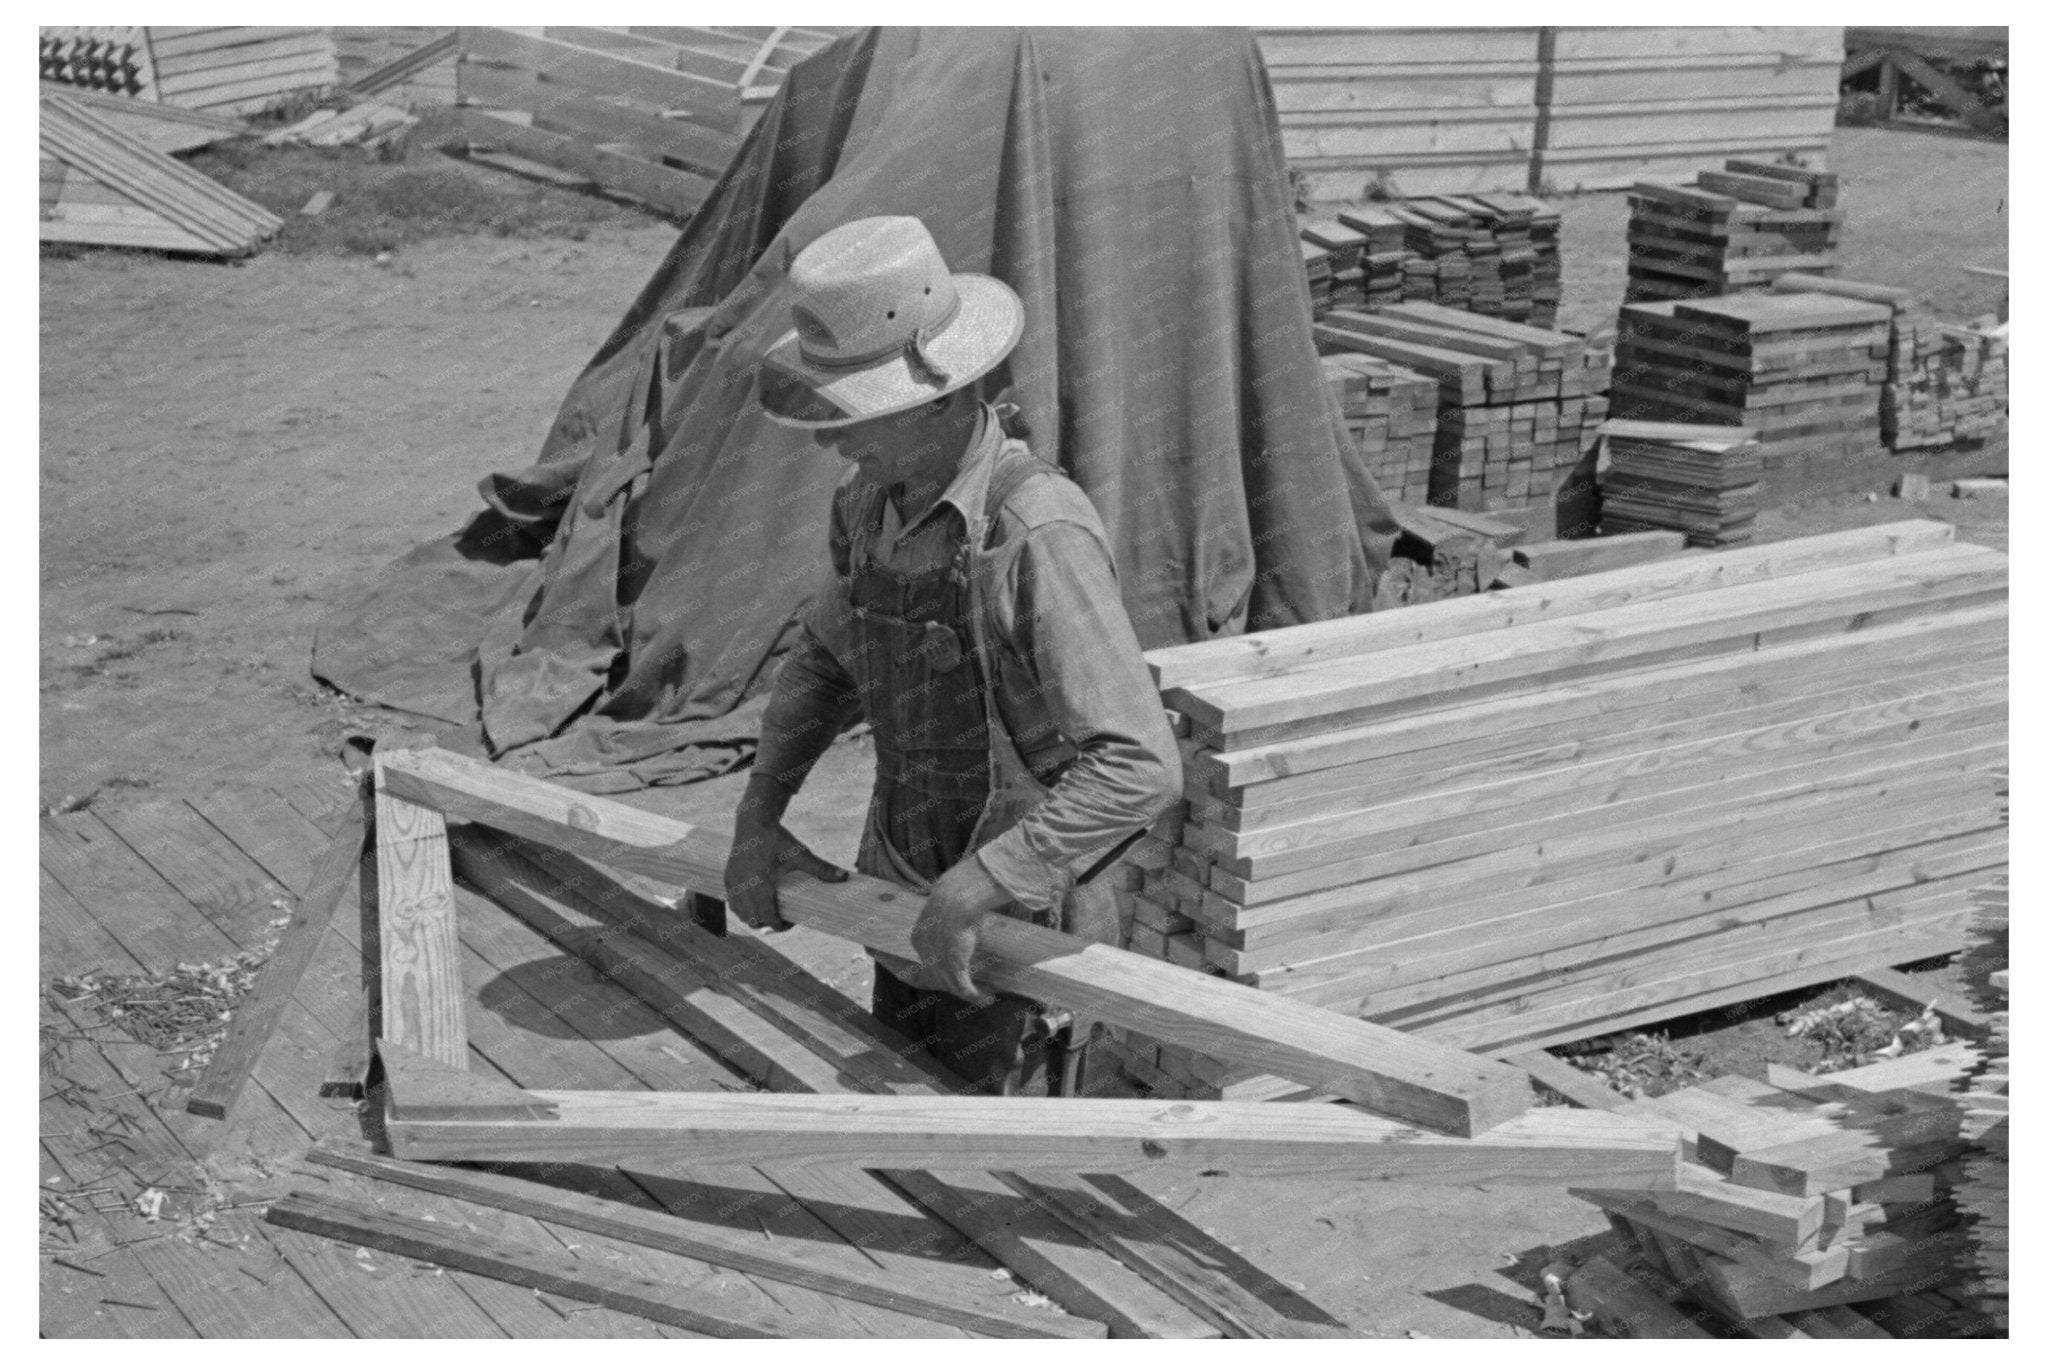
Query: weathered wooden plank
[(1386, 1071), (420, 958)]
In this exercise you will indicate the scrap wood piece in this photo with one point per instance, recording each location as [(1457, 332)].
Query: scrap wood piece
[(1544, 1147), (715, 1306), (255, 1019), (420, 1090), (420, 983), (1430, 1084), (789, 1262), (1903, 990)]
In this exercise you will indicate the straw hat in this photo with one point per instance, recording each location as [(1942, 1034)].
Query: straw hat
[(882, 326)]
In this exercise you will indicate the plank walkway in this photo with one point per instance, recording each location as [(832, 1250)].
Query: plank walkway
[(148, 887)]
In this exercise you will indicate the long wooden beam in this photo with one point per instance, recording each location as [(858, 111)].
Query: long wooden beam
[(1424, 1083), (639, 1130), (785, 1261)]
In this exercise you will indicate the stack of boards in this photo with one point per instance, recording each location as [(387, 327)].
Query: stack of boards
[(1704, 481), (1945, 382), (230, 71), (1804, 1194), (1517, 407), (103, 186), (1494, 254), (1442, 553), (1732, 232), (1801, 371), (1546, 813), (1390, 413), (1984, 1191)]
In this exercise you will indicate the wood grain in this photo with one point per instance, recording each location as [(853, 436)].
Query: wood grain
[(420, 980)]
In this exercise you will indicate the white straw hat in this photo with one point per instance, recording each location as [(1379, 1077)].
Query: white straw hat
[(882, 326)]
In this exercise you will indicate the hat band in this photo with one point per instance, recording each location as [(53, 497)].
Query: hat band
[(912, 345)]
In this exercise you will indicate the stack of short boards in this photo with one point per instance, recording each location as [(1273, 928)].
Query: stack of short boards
[(1732, 232), (1321, 267), (1704, 481), (1517, 406), (1390, 413), (1335, 257), (1494, 254), (1802, 1194), (1983, 1192), (1945, 382), (1801, 371), (1550, 812)]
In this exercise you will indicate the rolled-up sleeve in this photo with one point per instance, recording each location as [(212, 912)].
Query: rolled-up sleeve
[(1077, 645)]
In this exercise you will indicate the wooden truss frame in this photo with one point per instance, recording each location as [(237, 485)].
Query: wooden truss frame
[(1454, 1117)]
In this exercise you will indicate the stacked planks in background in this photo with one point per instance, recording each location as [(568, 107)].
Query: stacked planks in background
[(102, 186), (1770, 773), (112, 58), (1801, 371), (1983, 1191), (1944, 383), (1335, 256), (229, 71), (1492, 254), (1517, 406), (1734, 232), (1383, 257), (1803, 1194), (1704, 481), (1390, 413)]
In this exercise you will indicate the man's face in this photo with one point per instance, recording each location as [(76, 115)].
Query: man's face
[(887, 449)]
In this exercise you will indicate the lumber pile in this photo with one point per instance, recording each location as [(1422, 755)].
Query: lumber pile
[(1800, 371), (110, 58), (1546, 813), (1495, 255), (1983, 1192), (1732, 232), (650, 113), (227, 71), (1517, 406), (1443, 553), (101, 186), (1944, 382), (1701, 480), (164, 127), (1390, 413), (1804, 1195)]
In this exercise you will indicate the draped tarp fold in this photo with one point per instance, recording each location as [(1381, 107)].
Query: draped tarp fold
[(616, 610)]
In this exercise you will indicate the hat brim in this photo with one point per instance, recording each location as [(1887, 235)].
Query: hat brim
[(987, 327)]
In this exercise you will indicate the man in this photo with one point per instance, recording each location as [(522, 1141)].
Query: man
[(973, 618)]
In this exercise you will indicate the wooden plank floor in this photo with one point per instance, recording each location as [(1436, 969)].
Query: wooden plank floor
[(152, 886)]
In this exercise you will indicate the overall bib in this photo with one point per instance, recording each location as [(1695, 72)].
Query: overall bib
[(949, 778)]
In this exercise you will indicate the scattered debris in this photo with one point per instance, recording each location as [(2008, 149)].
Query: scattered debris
[(1854, 1031), (185, 1010), (366, 125), (1641, 1064)]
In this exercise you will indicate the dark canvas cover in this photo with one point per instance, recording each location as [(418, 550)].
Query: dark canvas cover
[(615, 612)]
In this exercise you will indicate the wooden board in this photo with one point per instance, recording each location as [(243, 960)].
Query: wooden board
[(675, 192), (1389, 1073), (419, 985), (1545, 1146)]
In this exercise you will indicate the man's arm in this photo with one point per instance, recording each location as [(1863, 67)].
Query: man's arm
[(1078, 645)]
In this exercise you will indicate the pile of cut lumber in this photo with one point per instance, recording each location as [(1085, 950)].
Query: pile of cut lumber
[(240, 71), (1983, 1192), (1516, 405), (112, 58), (1701, 480), (1732, 232), (1442, 553), (1550, 812), (1334, 254), (1945, 382), (102, 186), (1493, 254), (1319, 263), (1800, 371), (1390, 413), (1802, 1194)]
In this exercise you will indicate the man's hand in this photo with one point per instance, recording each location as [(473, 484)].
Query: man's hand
[(949, 930), (762, 853)]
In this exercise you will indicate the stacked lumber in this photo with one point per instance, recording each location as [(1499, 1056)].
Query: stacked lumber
[(1731, 233), (103, 187), (1517, 406), (1622, 104), (1983, 1191), (1701, 480), (1443, 553), (1336, 250), (164, 127), (240, 71), (1802, 1195), (409, 65), (1382, 256), (111, 58), (1317, 264), (1390, 413), (652, 114), (1944, 383), (1390, 815), (1800, 371)]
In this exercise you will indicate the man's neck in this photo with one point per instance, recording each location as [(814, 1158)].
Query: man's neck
[(928, 480)]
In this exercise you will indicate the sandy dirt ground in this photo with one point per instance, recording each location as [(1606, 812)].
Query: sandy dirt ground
[(226, 450)]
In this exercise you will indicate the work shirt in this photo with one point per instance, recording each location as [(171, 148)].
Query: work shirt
[(1071, 684)]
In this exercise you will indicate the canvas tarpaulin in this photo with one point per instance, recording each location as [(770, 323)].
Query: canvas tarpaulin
[(1127, 183)]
